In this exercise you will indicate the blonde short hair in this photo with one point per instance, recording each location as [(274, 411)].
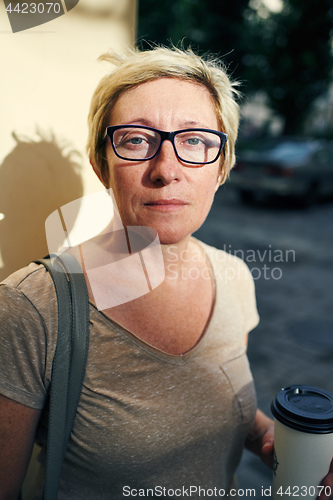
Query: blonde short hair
[(138, 67)]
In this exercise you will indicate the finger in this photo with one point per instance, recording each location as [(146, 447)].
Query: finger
[(268, 441), (331, 467), (268, 447), (327, 482)]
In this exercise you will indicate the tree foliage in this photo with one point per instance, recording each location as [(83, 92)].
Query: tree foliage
[(214, 26), (290, 57), (287, 54)]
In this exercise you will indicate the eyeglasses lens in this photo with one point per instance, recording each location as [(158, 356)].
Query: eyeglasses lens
[(197, 146), (136, 143)]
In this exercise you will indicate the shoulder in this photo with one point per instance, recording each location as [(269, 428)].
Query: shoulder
[(31, 287), (235, 287), (27, 275), (226, 265), (28, 330)]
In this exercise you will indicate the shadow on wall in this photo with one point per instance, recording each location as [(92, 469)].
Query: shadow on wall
[(36, 178)]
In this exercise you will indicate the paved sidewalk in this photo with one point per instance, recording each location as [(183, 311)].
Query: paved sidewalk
[(293, 343)]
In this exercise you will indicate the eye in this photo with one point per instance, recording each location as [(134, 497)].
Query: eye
[(132, 139), (193, 141), (136, 140)]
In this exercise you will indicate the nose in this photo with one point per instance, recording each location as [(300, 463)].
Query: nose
[(165, 166)]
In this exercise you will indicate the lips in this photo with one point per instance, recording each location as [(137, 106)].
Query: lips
[(171, 201), (166, 204)]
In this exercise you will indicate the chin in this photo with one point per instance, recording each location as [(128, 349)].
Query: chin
[(172, 237)]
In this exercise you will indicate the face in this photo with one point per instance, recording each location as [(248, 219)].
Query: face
[(164, 193)]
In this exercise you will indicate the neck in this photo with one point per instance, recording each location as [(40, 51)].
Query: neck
[(182, 259)]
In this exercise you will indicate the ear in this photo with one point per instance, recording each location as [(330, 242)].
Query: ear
[(103, 178)]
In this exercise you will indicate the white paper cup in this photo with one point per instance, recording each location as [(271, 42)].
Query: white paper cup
[(303, 440)]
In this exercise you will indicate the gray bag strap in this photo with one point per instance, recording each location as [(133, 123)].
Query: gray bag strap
[(69, 362)]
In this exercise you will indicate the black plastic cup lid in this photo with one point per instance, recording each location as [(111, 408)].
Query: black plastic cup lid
[(304, 408)]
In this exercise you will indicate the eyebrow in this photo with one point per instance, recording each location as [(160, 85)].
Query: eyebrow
[(187, 123)]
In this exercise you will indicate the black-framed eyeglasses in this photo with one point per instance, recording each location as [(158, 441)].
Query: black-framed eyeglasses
[(197, 146)]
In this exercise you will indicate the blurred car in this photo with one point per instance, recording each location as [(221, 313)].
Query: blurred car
[(296, 168)]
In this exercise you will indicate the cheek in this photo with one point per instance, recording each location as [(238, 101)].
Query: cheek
[(115, 175), (125, 188), (120, 187), (215, 176), (206, 190)]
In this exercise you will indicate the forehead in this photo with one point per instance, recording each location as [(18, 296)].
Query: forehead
[(166, 100)]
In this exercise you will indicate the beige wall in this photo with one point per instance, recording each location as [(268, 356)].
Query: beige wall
[(48, 74)]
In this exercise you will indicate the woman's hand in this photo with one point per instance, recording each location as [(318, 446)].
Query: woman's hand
[(328, 483), (261, 438), (261, 442)]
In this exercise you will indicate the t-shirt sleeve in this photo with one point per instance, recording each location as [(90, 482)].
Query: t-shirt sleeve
[(22, 349), (236, 280)]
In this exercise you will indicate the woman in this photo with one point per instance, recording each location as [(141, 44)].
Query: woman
[(168, 398)]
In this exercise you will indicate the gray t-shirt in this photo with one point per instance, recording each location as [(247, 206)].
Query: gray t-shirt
[(146, 420)]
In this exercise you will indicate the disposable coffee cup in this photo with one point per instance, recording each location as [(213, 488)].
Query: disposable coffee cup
[(303, 438)]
